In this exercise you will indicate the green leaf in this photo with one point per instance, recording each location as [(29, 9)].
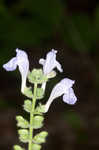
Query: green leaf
[(39, 23), (27, 105), (21, 122), (28, 92), (23, 135), (41, 137), (40, 109), (40, 93), (38, 122), (36, 147), (17, 147), (37, 76)]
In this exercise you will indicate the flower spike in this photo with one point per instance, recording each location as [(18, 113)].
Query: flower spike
[(64, 87), (21, 60)]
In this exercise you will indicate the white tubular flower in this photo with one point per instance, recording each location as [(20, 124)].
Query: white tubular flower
[(21, 60), (64, 87), (49, 64)]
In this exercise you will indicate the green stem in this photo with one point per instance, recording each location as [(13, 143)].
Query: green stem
[(31, 118)]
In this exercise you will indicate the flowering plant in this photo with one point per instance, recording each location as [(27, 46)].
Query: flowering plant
[(38, 77)]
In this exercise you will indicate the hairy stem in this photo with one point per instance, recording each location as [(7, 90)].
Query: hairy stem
[(31, 118)]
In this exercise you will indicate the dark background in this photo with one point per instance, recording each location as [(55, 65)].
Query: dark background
[(71, 27)]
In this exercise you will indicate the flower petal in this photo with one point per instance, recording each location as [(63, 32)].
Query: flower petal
[(21, 60), (11, 65), (23, 63), (50, 62), (42, 61), (21, 55), (69, 97), (67, 83), (62, 87), (59, 67)]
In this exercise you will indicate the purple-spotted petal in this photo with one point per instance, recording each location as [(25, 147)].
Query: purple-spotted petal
[(69, 97), (11, 65)]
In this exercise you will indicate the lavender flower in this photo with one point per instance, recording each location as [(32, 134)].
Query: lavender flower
[(64, 87), (49, 64), (21, 60)]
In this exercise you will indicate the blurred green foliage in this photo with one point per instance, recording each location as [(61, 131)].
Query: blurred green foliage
[(79, 32), (74, 120), (28, 23), (4, 104), (24, 23)]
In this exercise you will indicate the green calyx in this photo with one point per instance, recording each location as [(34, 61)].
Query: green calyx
[(36, 147), (17, 147), (38, 122), (40, 137), (28, 92), (27, 106), (37, 76), (39, 93), (21, 122), (40, 109), (23, 135)]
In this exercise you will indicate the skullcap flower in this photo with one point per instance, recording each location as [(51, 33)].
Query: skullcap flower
[(49, 64), (21, 60), (64, 87)]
